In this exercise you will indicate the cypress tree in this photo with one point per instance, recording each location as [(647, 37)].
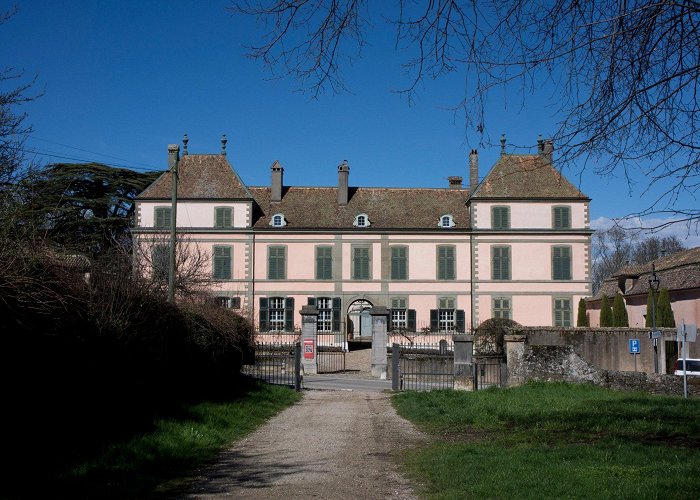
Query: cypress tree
[(606, 317), (619, 312), (664, 313), (582, 319), (649, 323)]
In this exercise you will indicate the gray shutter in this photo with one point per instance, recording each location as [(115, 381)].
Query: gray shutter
[(336, 314), (505, 262), (459, 320), (219, 217), (411, 320), (289, 314), (434, 320), (263, 315)]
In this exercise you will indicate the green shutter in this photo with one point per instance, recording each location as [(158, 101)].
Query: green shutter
[(561, 263), (501, 216), (411, 320), (162, 217), (276, 263), (361, 263), (562, 217), (289, 314), (460, 320), (222, 217), (434, 320), (446, 263), (324, 263), (501, 263), (398, 263), (263, 315), (222, 263), (336, 314)]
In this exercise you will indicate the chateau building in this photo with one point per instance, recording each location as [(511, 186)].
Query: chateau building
[(515, 245)]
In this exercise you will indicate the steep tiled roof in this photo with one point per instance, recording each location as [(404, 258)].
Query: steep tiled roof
[(678, 271), (525, 176), (387, 208), (200, 176)]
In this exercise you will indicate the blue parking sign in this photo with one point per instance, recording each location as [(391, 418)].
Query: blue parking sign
[(634, 346)]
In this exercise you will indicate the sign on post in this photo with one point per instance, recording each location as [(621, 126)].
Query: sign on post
[(634, 346), (685, 334), (308, 349)]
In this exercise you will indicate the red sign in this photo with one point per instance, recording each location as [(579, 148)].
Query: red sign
[(309, 348)]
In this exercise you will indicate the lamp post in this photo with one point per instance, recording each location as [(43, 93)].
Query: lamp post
[(654, 283)]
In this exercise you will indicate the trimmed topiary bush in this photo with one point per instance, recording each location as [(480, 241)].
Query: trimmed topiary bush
[(619, 311), (606, 318), (664, 313), (582, 319), (488, 337)]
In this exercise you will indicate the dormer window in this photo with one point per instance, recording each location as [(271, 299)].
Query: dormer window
[(446, 221), (361, 220), (278, 220)]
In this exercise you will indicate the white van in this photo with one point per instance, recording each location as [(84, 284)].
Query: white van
[(693, 367)]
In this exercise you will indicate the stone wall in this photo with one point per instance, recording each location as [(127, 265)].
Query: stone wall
[(562, 363)]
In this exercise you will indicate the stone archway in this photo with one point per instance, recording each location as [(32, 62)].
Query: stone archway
[(359, 322)]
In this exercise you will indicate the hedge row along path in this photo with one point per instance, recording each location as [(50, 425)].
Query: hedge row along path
[(333, 444)]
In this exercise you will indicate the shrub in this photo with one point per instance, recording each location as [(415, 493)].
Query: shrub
[(488, 337)]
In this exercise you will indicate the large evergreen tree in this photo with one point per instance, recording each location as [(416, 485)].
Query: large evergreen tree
[(606, 317), (582, 319), (664, 313), (85, 207), (619, 312)]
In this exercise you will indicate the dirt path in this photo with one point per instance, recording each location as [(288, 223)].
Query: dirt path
[(334, 444)]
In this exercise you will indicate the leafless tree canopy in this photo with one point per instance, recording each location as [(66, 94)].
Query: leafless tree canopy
[(624, 73), (616, 247)]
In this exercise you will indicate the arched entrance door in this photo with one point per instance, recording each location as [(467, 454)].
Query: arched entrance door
[(359, 319)]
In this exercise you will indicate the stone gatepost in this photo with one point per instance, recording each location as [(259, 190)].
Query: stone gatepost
[(379, 315), (515, 353), (464, 367), (309, 318)]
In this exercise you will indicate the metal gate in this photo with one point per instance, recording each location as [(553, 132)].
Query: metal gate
[(275, 363), (489, 372), (422, 367), (330, 352)]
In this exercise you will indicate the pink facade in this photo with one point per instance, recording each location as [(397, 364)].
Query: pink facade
[(516, 245)]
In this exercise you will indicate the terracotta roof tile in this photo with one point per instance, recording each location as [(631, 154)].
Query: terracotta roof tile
[(200, 176), (525, 176), (387, 208)]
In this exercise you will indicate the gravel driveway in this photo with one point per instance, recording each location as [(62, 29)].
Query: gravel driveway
[(333, 444)]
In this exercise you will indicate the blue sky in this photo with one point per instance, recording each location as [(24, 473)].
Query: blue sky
[(122, 80)]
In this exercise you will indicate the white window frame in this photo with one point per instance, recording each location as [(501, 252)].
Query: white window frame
[(361, 220), (399, 313), (446, 221), (325, 314), (447, 317), (276, 314), (278, 220)]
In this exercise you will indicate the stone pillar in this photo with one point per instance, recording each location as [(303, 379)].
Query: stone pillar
[(515, 352), (309, 318), (464, 367), (379, 339)]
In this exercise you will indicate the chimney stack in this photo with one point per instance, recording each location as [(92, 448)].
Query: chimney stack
[(173, 155), (455, 181), (224, 140), (548, 151), (185, 140), (277, 174), (473, 170), (343, 175)]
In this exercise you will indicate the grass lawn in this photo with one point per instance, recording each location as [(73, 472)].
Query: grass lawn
[(554, 440), (158, 462)]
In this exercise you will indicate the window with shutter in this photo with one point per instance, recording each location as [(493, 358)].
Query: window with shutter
[(222, 216), (399, 263), (160, 260), (361, 263), (276, 263), (561, 263), (446, 262), (562, 217), (446, 317), (222, 263), (500, 217), (325, 314), (562, 311), (162, 217), (500, 263), (276, 321), (324, 263), (399, 313)]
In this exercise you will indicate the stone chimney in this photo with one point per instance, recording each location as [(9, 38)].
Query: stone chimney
[(277, 174), (173, 155), (548, 151), (473, 170), (455, 181), (343, 175)]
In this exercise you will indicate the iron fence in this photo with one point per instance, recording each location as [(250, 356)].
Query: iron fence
[(489, 372), (276, 364), (422, 367)]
